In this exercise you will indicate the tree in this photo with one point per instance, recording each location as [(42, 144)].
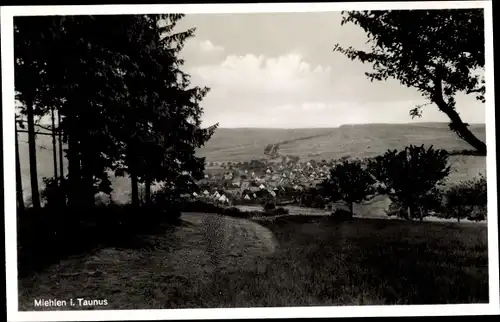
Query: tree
[(467, 199), (54, 144), (67, 80), (349, 182), (124, 104), (19, 182), (410, 177), (61, 156), (27, 84), (438, 52)]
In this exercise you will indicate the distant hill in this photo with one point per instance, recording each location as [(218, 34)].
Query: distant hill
[(327, 143), (246, 144)]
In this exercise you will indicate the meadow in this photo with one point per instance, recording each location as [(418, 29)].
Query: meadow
[(215, 261)]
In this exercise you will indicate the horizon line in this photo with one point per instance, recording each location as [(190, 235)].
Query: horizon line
[(335, 127)]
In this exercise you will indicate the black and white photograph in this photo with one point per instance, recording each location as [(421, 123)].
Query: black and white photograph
[(245, 157)]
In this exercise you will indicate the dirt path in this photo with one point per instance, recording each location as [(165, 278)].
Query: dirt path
[(187, 259)]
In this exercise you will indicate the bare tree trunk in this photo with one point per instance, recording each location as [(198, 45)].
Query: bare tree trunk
[(61, 156), (132, 170), (148, 188), (35, 193), (54, 146), (74, 166), (351, 208), (87, 191), (456, 125), (61, 159), (135, 189), (19, 183)]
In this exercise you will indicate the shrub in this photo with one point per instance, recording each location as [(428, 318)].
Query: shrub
[(318, 202), (430, 204), (348, 182), (281, 211), (53, 194), (269, 206), (164, 206), (467, 199), (341, 214), (411, 177)]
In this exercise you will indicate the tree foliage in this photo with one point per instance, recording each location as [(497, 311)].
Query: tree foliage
[(467, 199), (126, 106), (411, 177), (438, 52), (349, 182)]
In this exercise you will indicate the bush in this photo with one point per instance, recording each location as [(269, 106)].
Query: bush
[(164, 206), (53, 194), (269, 206), (341, 215), (318, 202), (467, 199), (411, 177), (281, 211), (430, 204)]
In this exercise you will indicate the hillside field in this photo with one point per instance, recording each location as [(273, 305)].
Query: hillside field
[(213, 261), (348, 140)]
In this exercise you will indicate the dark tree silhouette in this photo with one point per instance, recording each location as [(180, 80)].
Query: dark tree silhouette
[(349, 182), (411, 176), (54, 143), (438, 52), (123, 102), (27, 84), (19, 182)]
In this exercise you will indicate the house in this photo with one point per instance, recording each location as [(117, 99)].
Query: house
[(247, 197), (195, 194), (268, 171), (272, 193), (223, 199), (206, 193), (236, 182), (262, 187), (245, 185)]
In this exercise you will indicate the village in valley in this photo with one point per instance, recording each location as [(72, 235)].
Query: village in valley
[(245, 183)]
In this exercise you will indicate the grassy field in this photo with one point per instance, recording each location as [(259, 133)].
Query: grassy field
[(246, 144), (214, 261), (354, 140)]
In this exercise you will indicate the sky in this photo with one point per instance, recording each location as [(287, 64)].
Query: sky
[(279, 70)]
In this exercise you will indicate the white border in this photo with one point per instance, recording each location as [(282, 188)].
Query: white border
[(7, 14)]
